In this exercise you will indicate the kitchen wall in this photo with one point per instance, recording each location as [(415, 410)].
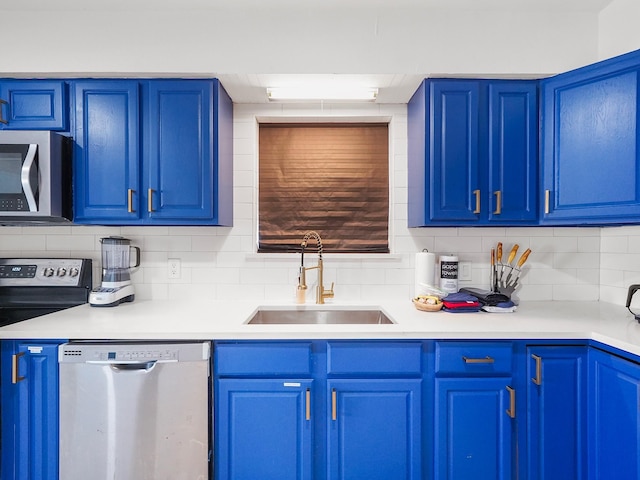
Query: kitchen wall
[(566, 263), (618, 28), (221, 263)]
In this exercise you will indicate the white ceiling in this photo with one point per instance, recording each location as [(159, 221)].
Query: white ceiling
[(251, 87), (553, 5)]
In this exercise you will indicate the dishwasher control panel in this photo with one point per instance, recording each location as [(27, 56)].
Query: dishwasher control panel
[(89, 352)]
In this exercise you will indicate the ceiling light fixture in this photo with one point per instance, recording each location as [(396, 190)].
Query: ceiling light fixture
[(328, 93)]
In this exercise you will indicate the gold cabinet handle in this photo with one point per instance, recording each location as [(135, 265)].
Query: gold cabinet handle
[(512, 402), (538, 378), (334, 406), (547, 201), (2, 120), (130, 193), (486, 359), (477, 195), (15, 377), (308, 405), (498, 209), (150, 200)]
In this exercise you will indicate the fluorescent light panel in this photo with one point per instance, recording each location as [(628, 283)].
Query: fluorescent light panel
[(322, 93)]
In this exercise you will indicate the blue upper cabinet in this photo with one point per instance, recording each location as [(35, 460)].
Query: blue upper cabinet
[(590, 156), (107, 152), (513, 153), (155, 152), (473, 153), (33, 105), (182, 157)]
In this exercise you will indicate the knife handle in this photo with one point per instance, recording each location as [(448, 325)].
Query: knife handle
[(499, 253), (513, 252), (524, 257)]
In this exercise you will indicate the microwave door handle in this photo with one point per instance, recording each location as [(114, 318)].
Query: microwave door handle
[(25, 177)]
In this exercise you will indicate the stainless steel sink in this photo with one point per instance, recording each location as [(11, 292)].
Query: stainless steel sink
[(320, 317)]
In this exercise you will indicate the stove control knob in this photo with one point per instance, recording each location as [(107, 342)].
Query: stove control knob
[(62, 272), (48, 272), (74, 271)]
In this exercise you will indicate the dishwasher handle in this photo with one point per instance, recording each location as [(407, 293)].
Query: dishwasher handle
[(133, 366), (126, 366)]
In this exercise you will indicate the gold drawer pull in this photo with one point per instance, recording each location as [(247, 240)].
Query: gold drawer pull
[(538, 378), (308, 405), (547, 201), (15, 377), (498, 209), (486, 359), (334, 406), (512, 402), (130, 193), (477, 194), (2, 120)]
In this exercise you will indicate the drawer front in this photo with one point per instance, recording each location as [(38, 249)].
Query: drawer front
[(262, 359), (374, 358), (474, 358)]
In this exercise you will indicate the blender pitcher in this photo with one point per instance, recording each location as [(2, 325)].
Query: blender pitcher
[(116, 284), (116, 261)]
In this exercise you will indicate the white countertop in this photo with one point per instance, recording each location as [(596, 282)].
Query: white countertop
[(189, 320)]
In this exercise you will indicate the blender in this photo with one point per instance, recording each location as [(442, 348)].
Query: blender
[(116, 286)]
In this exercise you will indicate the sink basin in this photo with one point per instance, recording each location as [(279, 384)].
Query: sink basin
[(320, 317)]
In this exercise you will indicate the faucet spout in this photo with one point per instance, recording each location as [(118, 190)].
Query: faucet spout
[(321, 293)]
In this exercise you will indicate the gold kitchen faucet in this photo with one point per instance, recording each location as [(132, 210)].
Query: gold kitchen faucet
[(321, 293)]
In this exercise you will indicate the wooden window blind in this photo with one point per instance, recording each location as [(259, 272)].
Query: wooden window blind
[(331, 178)]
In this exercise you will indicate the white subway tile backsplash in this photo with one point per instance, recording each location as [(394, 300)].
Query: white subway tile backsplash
[(577, 293), (22, 243), (554, 244), (589, 244), (70, 242), (576, 260), (167, 243), (614, 244)]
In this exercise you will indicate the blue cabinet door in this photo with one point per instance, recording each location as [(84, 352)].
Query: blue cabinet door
[(374, 429), (454, 169), (29, 410), (107, 152), (472, 148), (513, 153), (557, 416), (33, 105), (473, 429), (614, 417), (590, 150), (179, 155), (263, 429)]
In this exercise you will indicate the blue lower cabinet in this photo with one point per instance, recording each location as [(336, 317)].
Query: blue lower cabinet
[(556, 416), (474, 424), (614, 414), (331, 410), (29, 397), (263, 429), (374, 429)]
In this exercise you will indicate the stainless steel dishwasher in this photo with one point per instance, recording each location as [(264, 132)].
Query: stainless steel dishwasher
[(134, 411)]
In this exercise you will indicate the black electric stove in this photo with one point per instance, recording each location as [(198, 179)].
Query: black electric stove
[(31, 287)]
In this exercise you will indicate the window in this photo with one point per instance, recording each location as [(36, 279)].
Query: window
[(331, 178)]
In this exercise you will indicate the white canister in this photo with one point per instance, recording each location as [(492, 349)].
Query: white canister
[(449, 273)]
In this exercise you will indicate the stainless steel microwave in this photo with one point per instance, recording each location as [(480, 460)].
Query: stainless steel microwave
[(35, 177)]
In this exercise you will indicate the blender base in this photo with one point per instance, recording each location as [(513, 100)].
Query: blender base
[(111, 297)]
